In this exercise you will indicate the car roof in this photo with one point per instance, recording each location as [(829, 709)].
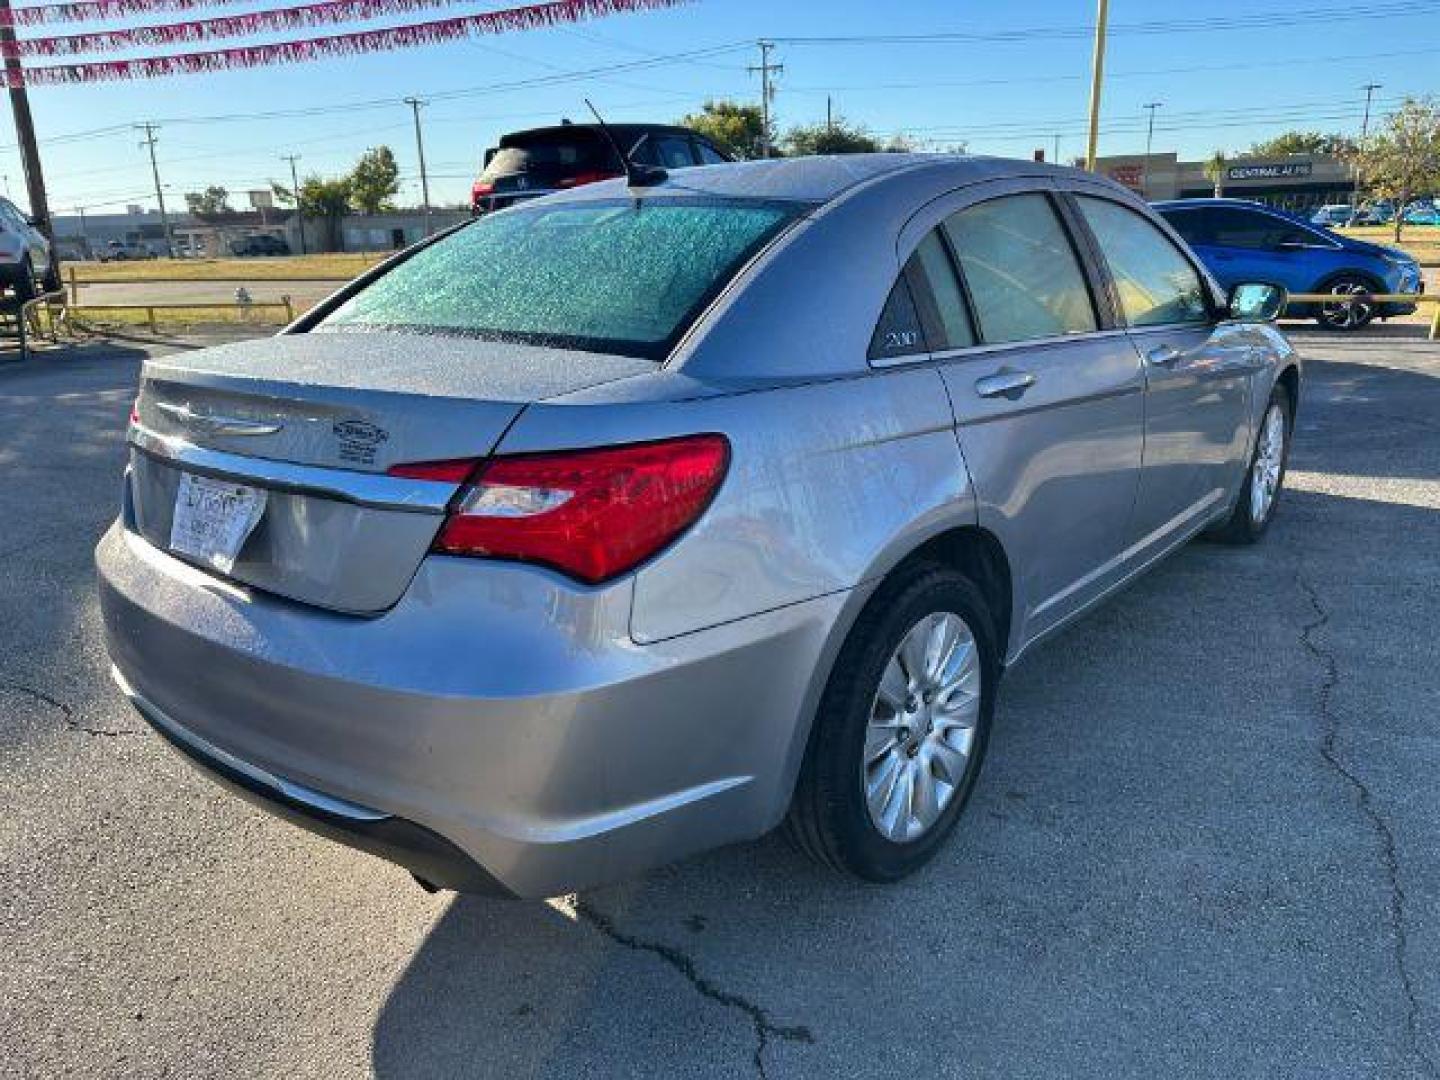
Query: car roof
[(594, 130), (1187, 204), (818, 179)]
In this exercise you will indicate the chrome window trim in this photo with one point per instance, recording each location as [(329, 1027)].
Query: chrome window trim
[(363, 489), (966, 351)]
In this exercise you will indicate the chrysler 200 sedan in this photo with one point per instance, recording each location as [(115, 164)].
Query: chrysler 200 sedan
[(631, 522)]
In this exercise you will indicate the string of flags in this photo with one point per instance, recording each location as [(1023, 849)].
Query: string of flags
[(326, 12)]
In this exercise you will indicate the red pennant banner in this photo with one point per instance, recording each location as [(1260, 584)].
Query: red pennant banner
[(96, 10), (252, 22), (529, 17)]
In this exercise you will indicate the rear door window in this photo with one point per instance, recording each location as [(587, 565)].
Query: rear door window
[(1023, 275), (1154, 283)]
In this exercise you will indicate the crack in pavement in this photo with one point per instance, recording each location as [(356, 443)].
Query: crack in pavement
[(1389, 855), (65, 710), (765, 1028)]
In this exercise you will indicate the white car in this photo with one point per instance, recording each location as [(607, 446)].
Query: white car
[(26, 264), (1333, 214)]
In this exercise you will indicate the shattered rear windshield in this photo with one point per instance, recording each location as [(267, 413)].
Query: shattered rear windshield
[(623, 276)]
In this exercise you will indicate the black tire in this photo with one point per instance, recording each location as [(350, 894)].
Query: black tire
[(24, 281), (1242, 526), (1345, 318), (829, 817)]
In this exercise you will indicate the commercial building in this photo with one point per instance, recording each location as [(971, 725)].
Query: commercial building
[(1292, 182)]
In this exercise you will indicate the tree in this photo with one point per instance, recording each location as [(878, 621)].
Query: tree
[(836, 137), (739, 129), (1215, 170), (213, 202), (1402, 161), (326, 201), (1303, 142), (373, 180)]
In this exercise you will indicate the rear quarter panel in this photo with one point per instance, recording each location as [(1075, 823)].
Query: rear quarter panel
[(829, 484)]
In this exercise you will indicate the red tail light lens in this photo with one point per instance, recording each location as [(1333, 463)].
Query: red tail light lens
[(581, 179), (592, 514), (479, 190)]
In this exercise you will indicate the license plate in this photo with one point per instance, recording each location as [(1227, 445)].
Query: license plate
[(213, 519)]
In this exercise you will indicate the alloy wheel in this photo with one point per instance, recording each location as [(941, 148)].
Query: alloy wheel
[(1269, 459), (1351, 315), (922, 728)]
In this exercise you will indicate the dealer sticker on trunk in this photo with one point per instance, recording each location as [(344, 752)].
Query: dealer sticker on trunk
[(213, 519)]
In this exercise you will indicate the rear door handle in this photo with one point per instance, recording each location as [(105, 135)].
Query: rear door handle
[(1006, 384), (1163, 355)]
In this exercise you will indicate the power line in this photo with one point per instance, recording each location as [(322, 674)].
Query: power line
[(149, 141)]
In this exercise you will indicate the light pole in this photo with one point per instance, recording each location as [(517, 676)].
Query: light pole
[(415, 104), (1369, 89), (1097, 79), (1149, 140), (295, 191)]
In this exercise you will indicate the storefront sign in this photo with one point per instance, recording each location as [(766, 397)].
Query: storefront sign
[(1269, 172)]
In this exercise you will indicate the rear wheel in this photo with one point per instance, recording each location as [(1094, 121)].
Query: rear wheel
[(1352, 315), (1260, 490), (902, 728)]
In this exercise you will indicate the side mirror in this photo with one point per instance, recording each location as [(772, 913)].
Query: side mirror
[(1254, 302)]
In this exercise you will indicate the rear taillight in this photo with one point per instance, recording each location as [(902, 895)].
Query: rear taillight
[(581, 179), (593, 514), (478, 190)]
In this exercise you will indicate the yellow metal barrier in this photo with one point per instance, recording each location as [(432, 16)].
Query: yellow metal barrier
[(285, 304), (1374, 298)]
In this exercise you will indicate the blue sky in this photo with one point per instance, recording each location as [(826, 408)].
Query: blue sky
[(1019, 80)]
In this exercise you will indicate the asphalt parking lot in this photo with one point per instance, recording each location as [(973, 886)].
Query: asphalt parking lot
[(1204, 844)]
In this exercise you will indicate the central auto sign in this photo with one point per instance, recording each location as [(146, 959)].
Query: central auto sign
[(1269, 172)]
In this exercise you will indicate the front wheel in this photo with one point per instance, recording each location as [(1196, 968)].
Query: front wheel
[(1260, 490), (1351, 315), (901, 729)]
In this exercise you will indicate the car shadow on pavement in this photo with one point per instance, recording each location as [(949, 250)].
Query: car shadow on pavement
[(1145, 860)]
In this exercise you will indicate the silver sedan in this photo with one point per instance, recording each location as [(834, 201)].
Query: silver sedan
[(631, 522)]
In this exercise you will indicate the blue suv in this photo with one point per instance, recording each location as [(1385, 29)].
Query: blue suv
[(1242, 241)]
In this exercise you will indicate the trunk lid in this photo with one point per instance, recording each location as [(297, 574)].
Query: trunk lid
[(314, 421)]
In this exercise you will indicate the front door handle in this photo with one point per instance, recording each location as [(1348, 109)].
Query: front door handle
[(1006, 384), (1163, 355)]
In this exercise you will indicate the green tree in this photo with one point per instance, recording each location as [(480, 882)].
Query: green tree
[(1303, 142), (1215, 167), (213, 202), (322, 200), (374, 179), (1402, 160), (739, 129), (836, 137)]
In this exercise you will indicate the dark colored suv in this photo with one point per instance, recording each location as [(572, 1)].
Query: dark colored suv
[(259, 244), (528, 164)]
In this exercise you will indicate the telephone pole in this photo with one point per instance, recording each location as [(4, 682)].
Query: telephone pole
[(295, 191), (415, 104), (1097, 79), (1369, 89), (1149, 140), (767, 90), (25, 130), (149, 142)]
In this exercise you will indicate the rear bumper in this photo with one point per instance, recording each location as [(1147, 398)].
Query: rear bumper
[(498, 727)]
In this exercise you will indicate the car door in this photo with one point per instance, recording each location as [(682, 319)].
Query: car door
[(1239, 244), (1197, 370), (1047, 397)]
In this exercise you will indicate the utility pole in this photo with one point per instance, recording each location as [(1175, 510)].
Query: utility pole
[(25, 131), (149, 142), (84, 236), (767, 90), (415, 104), (1097, 78), (295, 191), (1369, 89), (1149, 140), (829, 114), (1057, 149)]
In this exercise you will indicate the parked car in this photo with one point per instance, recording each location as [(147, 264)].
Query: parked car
[(1247, 241), (1375, 213), (127, 250), (634, 522), (27, 264), (528, 164), (1332, 215), (1422, 213), (260, 244)]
